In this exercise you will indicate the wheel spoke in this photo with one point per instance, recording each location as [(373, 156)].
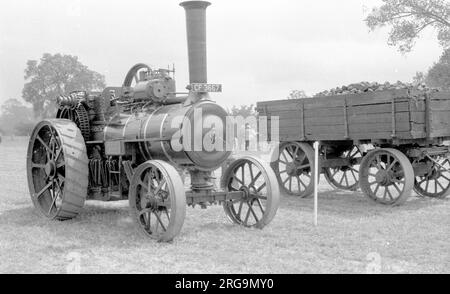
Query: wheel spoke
[(261, 188), (160, 221), (260, 205), (251, 174), (53, 200), (342, 179), (302, 167), (336, 170), (398, 181), (158, 189), (301, 182), (389, 193), (440, 185), (376, 189), (149, 223), (38, 195), (247, 217), (60, 150), (297, 148), (421, 182), (237, 180), (397, 188), (392, 165), (49, 151), (253, 212), (255, 179), (240, 209), (38, 166), (385, 193)]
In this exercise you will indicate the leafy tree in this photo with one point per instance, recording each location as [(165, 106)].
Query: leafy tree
[(243, 110), (439, 74), (408, 18), (296, 94), (15, 113), (56, 75)]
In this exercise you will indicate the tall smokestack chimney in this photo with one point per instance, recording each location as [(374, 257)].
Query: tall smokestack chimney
[(196, 37)]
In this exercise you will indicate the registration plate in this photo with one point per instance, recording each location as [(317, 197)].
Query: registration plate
[(206, 88)]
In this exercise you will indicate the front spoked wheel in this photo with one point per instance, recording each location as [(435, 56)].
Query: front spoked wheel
[(158, 201)]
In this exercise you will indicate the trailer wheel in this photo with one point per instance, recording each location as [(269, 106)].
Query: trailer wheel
[(294, 168), (158, 201), (387, 177), (57, 169), (436, 182), (262, 196), (346, 177)]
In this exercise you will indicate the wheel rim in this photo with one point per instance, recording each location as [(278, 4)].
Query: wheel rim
[(156, 197), (346, 178), (387, 177), (261, 196), (436, 182), (47, 166), (295, 169)]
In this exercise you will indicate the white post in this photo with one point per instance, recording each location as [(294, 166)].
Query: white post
[(316, 182)]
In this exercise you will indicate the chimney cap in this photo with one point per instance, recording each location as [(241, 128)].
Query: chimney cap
[(195, 4)]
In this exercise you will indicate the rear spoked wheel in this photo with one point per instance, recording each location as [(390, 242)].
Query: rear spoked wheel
[(158, 201), (57, 168), (387, 177), (435, 183), (257, 181)]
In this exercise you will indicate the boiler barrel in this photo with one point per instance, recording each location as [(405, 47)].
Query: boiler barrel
[(155, 132)]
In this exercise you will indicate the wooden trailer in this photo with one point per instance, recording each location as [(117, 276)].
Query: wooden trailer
[(387, 143)]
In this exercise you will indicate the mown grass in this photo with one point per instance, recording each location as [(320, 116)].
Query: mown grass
[(414, 238)]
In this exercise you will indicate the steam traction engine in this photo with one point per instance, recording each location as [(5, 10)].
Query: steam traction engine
[(120, 144)]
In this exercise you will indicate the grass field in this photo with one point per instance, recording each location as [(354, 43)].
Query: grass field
[(353, 236)]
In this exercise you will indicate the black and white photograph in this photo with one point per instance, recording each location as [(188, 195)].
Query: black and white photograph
[(251, 138)]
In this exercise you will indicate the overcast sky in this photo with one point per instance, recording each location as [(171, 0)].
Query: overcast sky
[(259, 50)]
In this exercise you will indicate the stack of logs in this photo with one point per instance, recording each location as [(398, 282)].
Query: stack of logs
[(366, 87)]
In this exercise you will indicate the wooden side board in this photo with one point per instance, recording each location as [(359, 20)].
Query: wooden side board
[(382, 115)]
